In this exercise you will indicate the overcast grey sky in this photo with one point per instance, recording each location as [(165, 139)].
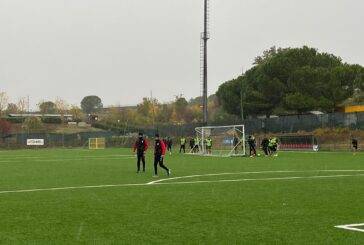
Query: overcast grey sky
[(121, 50)]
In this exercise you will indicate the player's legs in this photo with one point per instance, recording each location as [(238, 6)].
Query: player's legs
[(275, 151), (156, 161), (184, 148), (139, 158), (143, 160), (209, 150), (355, 149), (161, 164)]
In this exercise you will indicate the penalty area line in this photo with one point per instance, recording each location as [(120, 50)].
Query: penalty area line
[(351, 227), (257, 179), (254, 172)]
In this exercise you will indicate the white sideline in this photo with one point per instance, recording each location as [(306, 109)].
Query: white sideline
[(22, 157), (67, 159), (351, 227), (70, 188), (82, 159), (185, 182)]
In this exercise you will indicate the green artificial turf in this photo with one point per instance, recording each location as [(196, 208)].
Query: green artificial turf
[(250, 203)]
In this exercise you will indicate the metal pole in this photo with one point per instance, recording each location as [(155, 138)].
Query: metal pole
[(242, 97), (205, 38), (241, 104)]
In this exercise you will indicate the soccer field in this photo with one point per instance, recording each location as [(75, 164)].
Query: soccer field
[(95, 197)]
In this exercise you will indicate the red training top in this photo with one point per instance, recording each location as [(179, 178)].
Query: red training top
[(163, 146), (136, 144)]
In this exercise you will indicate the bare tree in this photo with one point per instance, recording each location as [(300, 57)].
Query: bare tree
[(3, 102), (22, 104), (12, 108), (76, 112), (61, 106)]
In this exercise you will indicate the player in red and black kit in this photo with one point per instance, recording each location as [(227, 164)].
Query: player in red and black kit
[(159, 152), (141, 147)]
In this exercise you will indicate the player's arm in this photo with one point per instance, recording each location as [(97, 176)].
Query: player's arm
[(135, 146), (146, 145), (163, 148)]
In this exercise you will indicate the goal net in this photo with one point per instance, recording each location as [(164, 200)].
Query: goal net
[(96, 143), (224, 141), (298, 143)]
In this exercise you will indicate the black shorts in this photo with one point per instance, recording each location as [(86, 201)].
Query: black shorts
[(272, 148)]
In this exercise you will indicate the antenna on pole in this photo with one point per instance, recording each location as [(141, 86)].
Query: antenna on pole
[(205, 36), (153, 111)]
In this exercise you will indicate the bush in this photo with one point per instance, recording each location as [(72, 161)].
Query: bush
[(108, 127), (100, 126), (52, 120), (331, 131), (33, 123), (15, 119), (5, 128)]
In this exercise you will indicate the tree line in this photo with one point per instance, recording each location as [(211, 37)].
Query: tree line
[(148, 113), (281, 81), (292, 80)]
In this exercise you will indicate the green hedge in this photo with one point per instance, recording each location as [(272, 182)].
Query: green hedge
[(108, 127), (14, 119), (52, 120)]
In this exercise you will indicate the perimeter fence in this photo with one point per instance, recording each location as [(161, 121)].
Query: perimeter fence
[(125, 137)]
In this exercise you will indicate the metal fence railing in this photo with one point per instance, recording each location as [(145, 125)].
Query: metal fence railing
[(125, 138)]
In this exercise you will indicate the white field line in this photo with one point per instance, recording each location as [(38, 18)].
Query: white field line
[(10, 161), (179, 183), (351, 227), (82, 159), (71, 188), (241, 173), (79, 231), (261, 179), (67, 159), (45, 157), (218, 174)]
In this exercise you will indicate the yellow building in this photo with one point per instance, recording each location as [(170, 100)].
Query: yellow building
[(350, 109)]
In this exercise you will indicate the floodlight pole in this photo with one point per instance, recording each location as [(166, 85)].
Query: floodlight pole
[(205, 37)]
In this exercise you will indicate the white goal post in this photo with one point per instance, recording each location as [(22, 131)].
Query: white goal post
[(220, 141), (96, 143)]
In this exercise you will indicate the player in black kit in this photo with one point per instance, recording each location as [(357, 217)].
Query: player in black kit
[(140, 147)]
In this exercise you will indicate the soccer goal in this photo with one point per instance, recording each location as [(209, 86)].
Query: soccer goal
[(96, 143), (223, 141)]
